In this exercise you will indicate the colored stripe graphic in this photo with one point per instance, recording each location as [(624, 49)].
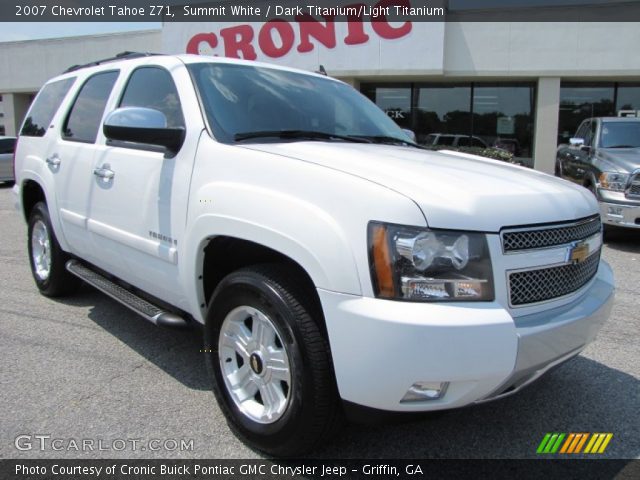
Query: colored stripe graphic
[(555, 443), (551, 443), (598, 443)]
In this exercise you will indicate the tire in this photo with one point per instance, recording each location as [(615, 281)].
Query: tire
[(302, 409), (46, 258), (558, 169)]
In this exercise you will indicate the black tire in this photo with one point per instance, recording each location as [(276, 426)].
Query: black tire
[(313, 413), (558, 169), (59, 281)]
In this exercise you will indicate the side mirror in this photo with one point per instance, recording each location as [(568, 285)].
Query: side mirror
[(576, 142), (411, 134), (143, 126)]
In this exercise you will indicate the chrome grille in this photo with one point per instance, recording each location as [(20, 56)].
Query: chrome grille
[(634, 189), (550, 236), (534, 286)]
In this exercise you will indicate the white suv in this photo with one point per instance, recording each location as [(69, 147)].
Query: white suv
[(335, 265)]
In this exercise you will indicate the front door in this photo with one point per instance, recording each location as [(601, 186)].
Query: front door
[(139, 202)]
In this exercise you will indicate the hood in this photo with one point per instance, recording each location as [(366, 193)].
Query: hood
[(619, 159), (465, 193)]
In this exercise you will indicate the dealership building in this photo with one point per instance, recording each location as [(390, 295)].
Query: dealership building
[(521, 86)]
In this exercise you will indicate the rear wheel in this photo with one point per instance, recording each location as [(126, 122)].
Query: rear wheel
[(270, 362), (46, 258)]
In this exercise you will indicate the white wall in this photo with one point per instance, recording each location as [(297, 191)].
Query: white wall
[(26, 65), (560, 49)]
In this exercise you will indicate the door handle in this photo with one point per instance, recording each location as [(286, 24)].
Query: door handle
[(104, 172), (53, 160)]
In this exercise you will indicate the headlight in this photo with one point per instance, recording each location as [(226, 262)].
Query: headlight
[(614, 181), (419, 264)]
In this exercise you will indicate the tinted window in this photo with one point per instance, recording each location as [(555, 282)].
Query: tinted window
[(620, 135), (153, 87), (239, 99), (45, 107), (445, 140), (85, 117), (7, 145), (476, 142), (582, 130)]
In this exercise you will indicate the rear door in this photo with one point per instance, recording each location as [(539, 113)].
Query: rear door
[(72, 157)]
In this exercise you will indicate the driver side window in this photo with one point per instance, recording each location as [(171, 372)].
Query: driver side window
[(153, 87)]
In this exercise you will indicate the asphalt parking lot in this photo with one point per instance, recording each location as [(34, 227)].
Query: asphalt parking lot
[(87, 368)]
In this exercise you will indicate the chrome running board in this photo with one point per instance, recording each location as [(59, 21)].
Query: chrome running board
[(142, 307)]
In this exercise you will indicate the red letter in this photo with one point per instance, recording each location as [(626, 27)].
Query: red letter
[(238, 39), (382, 26), (310, 27), (265, 40), (194, 43), (355, 27)]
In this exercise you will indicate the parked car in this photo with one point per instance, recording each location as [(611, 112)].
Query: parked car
[(334, 265), (604, 156), (7, 147), (434, 139), (510, 145)]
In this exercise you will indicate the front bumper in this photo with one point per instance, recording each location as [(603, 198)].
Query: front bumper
[(617, 210), (620, 215), (381, 347)]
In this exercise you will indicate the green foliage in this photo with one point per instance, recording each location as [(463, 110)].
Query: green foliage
[(490, 152)]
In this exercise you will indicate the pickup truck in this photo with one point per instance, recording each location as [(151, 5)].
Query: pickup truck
[(335, 267), (604, 156)]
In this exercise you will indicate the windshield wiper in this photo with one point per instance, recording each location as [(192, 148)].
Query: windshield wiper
[(386, 140), (623, 146), (298, 134)]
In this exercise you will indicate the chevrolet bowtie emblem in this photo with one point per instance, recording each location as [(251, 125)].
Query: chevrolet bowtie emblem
[(578, 252)]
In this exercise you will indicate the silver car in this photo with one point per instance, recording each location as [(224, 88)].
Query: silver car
[(7, 146)]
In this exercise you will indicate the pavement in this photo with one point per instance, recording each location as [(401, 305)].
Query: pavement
[(84, 368)]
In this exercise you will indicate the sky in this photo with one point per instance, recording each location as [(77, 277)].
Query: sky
[(15, 31)]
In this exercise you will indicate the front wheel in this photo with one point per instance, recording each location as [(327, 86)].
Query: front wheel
[(46, 258), (270, 362)]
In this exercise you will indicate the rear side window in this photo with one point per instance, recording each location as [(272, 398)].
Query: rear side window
[(83, 121), (153, 87), (45, 107), (7, 145)]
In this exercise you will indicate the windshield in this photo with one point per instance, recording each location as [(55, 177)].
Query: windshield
[(248, 103), (620, 135)]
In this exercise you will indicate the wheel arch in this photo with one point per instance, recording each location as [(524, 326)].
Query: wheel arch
[(223, 254)]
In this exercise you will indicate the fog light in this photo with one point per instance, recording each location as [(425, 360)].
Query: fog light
[(614, 211), (421, 391)]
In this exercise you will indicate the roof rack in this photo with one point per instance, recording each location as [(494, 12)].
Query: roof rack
[(119, 56)]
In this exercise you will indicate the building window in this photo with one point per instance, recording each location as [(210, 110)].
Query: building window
[(496, 115), (503, 117), (395, 100), (581, 101), (442, 109), (628, 98)]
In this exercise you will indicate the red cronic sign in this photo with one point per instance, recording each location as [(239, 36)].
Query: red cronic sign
[(277, 37)]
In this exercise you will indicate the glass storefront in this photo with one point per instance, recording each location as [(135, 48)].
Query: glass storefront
[(584, 100), (463, 114)]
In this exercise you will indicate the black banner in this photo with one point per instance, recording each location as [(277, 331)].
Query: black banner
[(318, 469), (337, 10)]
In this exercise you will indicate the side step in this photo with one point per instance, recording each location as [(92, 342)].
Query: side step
[(139, 305)]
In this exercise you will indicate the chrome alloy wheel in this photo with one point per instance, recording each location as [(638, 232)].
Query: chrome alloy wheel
[(41, 250), (254, 364)]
